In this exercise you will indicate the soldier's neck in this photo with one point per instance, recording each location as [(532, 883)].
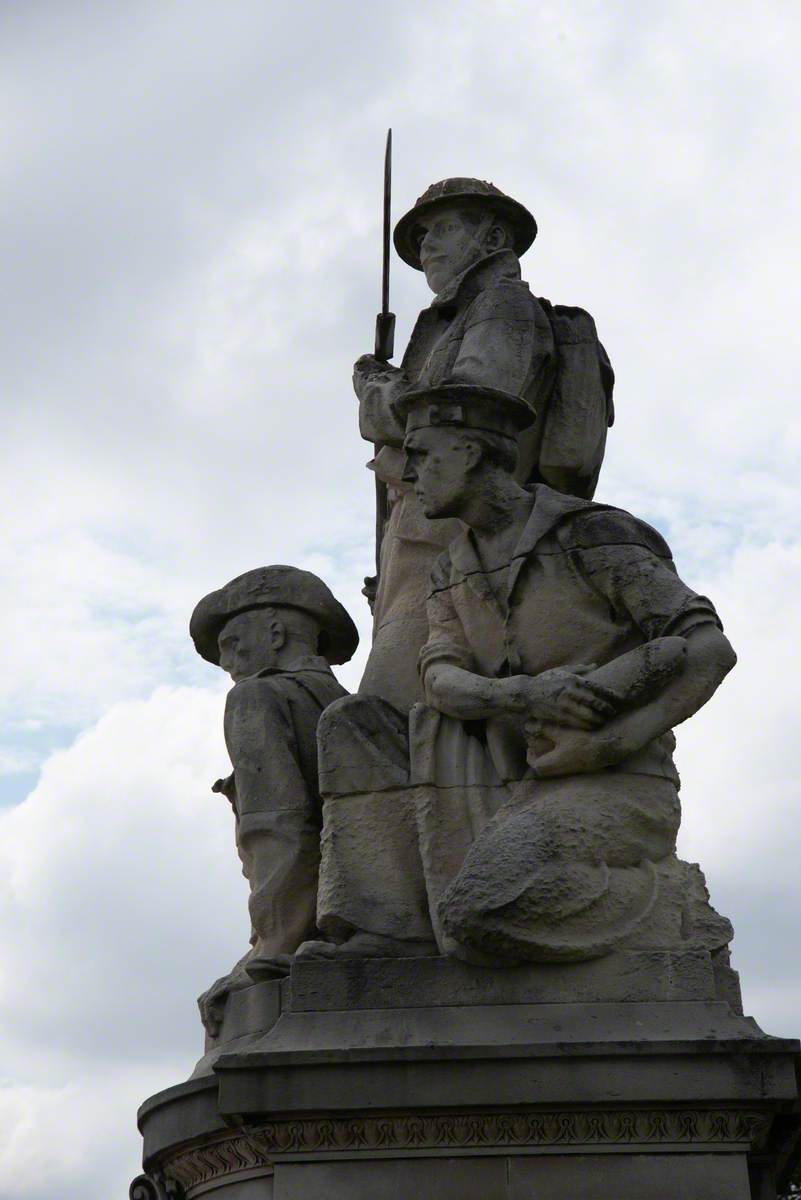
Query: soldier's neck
[(292, 650), (448, 290), (497, 518)]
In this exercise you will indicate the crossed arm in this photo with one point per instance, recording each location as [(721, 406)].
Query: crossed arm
[(589, 718)]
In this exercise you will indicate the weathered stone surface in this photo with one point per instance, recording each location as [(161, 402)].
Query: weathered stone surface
[(248, 1011), (562, 649), (371, 985), (513, 1095), (389, 1179), (627, 976), (275, 630), (638, 1177), (483, 327), (228, 1169), (511, 986)]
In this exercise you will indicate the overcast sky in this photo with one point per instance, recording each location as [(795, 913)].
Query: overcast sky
[(191, 240)]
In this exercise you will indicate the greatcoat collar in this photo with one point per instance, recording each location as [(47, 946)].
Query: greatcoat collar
[(306, 662), (548, 509), (501, 264)]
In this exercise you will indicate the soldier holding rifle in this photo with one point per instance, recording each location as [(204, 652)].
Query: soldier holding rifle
[(483, 327)]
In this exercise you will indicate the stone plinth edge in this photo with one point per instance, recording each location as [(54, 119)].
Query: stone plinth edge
[(327, 1091), (254, 1150)]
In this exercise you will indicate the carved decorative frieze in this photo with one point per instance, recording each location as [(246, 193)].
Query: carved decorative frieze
[(231, 1155), (254, 1148)]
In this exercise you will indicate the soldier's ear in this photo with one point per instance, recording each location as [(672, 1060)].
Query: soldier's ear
[(497, 238), (474, 454), (277, 632)]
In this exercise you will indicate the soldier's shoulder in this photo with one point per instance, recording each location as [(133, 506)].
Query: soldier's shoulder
[(601, 525), (507, 293), (570, 323), (253, 690)]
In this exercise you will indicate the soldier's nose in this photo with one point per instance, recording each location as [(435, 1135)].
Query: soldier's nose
[(427, 246)]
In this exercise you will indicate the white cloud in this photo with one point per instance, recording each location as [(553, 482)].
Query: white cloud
[(14, 760), (741, 758), (121, 899), (740, 763), (74, 1141), (192, 415)]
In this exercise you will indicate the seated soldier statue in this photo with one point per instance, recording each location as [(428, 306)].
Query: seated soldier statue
[(275, 630), (528, 809)]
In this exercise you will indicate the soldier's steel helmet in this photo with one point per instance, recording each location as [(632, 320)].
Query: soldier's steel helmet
[(280, 586), (472, 192), (467, 406)]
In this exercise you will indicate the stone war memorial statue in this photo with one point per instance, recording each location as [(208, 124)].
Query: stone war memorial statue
[(483, 327), (478, 968), (534, 804), (275, 631)]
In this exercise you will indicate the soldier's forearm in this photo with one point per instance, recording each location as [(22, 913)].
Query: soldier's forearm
[(708, 660), (460, 693)]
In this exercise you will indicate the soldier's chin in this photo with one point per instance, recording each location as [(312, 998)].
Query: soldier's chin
[(432, 510), (436, 278)]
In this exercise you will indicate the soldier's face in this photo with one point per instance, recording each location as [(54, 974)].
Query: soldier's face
[(438, 465), (247, 643), (448, 246)]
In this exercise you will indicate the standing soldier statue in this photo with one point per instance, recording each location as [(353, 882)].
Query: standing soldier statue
[(276, 631), (484, 327)]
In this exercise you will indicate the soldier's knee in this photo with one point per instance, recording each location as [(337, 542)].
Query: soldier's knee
[(343, 706), (349, 713), (338, 716), (362, 746)]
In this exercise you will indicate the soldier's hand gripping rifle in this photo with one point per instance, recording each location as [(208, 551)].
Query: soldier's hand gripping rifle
[(384, 340)]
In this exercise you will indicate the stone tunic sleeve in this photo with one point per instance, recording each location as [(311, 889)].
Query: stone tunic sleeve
[(446, 638), (507, 339), (630, 564), (378, 393)]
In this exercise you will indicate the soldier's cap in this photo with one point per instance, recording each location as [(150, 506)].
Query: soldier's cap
[(468, 192), (268, 587), (466, 406)]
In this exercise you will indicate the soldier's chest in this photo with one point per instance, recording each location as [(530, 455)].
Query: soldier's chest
[(434, 345), (532, 619)]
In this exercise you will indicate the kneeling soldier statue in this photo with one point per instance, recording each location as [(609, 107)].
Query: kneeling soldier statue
[(528, 808)]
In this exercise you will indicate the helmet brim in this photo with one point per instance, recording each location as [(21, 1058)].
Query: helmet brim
[(258, 589), (407, 230)]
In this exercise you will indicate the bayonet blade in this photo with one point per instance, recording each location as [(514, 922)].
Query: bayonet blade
[(387, 221), (385, 321)]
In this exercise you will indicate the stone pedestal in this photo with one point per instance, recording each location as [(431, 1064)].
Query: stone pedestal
[(634, 1075)]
